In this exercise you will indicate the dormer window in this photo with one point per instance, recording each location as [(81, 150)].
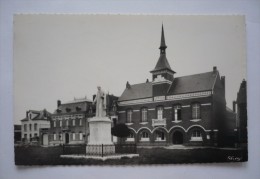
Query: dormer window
[(68, 109), (78, 108), (58, 111)]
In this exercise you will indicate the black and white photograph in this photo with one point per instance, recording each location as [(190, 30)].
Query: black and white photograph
[(129, 89)]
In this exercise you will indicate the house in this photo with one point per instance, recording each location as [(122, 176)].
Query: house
[(69, 122), (33, 123), (186, 110)]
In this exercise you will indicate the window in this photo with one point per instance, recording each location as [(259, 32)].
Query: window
[(80, 136), (73, 122), (195, 111), (160, 112), (73, 136), (129, 116), (144, 136), (60, 136), (160, 136), (60, 123), (196, 135), (177, 113), (67, 122), (30, 127), (130, 137), (35, 134), (25, 136), (35, 126), (80, 122), (144, 115), (25, 127), (54, 136)]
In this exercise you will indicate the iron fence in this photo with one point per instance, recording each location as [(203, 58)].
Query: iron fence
[(98, 150)]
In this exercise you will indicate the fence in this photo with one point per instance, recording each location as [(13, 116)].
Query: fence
[(99, 150)]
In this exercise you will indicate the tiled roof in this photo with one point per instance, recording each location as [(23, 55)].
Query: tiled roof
[(180, 85), (137, 91), (193, 83)]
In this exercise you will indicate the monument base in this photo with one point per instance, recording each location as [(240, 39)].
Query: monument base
[(100, 138)]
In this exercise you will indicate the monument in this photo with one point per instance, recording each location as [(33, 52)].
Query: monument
[(100, 138)]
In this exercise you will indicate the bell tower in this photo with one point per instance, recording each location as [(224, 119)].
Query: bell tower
[(162, 74)]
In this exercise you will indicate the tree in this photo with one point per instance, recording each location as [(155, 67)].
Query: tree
[(120, 130)]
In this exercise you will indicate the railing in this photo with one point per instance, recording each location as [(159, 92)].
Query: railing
[(98, 150)]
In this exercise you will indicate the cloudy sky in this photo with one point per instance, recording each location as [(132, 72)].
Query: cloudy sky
[(67, 56)]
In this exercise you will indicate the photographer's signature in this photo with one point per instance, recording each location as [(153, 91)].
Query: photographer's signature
[(234, 158)]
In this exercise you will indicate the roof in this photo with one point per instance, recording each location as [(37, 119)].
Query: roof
[(180, 85), (162, 64), (137, 91), (38, 115), (193, 83), (71, 107)]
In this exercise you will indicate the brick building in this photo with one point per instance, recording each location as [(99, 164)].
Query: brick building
[(240, 106), (188, 110), (69, 124)]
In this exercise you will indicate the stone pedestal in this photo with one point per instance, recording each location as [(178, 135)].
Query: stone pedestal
[(100, 138), (100, 131)]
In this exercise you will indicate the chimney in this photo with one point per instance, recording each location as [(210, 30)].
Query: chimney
[(27, 112), (94, 96), (128, 86), (234, 106), (58, 103), (214, 69)]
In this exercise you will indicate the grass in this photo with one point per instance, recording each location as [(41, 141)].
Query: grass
[(35, 155)]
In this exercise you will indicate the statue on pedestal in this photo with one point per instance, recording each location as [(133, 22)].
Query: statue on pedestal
[(100, 101)]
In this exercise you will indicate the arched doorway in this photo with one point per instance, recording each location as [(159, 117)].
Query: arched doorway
[(67, 138), (177, 137)]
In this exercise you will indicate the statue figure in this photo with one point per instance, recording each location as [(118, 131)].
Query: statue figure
[(100, 101)]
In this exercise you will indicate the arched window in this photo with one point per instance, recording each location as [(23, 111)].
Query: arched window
[(159, 112), (195, 111), (144, 115), (177, 113), (130, 137), (196, 135), (144, 136), (160, 136), (129, 114)]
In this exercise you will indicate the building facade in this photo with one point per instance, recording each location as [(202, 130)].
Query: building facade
[(69, 122), (33, 123), (188, 110)]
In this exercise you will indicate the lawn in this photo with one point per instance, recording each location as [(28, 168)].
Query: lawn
[(33, 155)]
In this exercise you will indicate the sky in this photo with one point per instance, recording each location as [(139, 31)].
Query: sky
[(59, 57)]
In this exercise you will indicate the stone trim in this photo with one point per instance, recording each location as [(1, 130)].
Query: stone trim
[(168, 98)]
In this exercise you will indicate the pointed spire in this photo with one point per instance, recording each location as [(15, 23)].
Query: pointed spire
[(163, 45)]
